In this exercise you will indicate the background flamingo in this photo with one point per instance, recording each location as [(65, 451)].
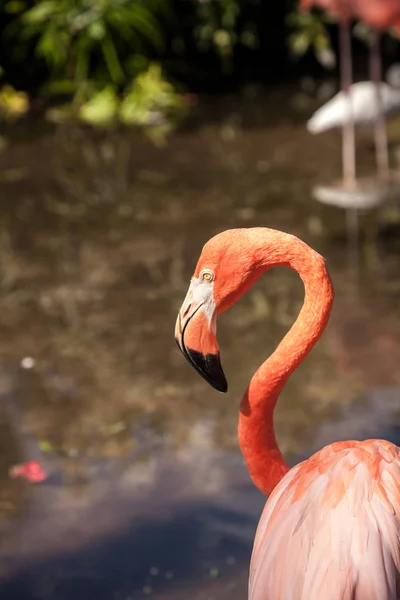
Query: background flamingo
[(380, 15), (367, 110), (343, 11), (331, 526), (363, 98)]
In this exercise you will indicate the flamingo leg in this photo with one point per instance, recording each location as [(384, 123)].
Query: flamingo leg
[(348, 130), (381, 143), (348, 139)]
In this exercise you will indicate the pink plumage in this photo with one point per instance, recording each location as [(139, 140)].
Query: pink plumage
[(330, 529)]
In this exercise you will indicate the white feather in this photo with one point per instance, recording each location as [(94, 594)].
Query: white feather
[(364, 110)]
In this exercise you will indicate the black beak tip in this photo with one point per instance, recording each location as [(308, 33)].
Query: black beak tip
[(209, 367), (223, 387)]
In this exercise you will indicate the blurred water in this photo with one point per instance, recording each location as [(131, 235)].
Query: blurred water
[(147, 493)]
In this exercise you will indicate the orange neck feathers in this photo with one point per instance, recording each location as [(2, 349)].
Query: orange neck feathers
[(256, 430)]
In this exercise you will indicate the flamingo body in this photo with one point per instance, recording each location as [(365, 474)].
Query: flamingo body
[(340, 8), (378, 14), (330, 529), (364, 106)]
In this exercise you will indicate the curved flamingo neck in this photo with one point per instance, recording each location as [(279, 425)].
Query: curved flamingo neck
[(256, 430)]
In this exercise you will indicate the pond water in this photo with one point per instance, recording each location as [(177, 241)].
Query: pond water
[(147, 493)]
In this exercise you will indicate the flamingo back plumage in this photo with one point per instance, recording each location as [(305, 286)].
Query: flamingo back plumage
[(363, 103), (330, 529)]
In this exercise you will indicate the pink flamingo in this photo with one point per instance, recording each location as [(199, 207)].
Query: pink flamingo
[(343, 11), (380, 15), (330, 528)]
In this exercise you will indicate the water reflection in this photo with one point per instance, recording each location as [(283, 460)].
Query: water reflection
[(367, 194), (148, 494), (128, 530)]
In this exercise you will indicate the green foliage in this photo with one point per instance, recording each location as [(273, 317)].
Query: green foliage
[(150, 99), (86, 40), (101, 109), (150, 103), (100, 57), (309, 32), (219, 27), (97, 51), (13, 104)]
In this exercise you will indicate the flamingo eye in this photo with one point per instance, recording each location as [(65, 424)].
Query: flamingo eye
[(206, 276)]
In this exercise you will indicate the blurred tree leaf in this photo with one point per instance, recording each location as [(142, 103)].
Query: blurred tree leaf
[(13, 104), (15, 7), (309, 32), (101, 109), (149, 100), (112, 61), (299, 43), (363, 32), (221, 27), (47, 447)]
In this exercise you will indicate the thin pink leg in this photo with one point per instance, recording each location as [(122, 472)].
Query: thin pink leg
[(348, 130), (381, 142)]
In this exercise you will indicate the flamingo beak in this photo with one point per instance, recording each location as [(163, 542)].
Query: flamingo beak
[(195, 334)]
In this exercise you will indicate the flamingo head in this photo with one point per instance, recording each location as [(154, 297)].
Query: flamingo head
[(227, 267)]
